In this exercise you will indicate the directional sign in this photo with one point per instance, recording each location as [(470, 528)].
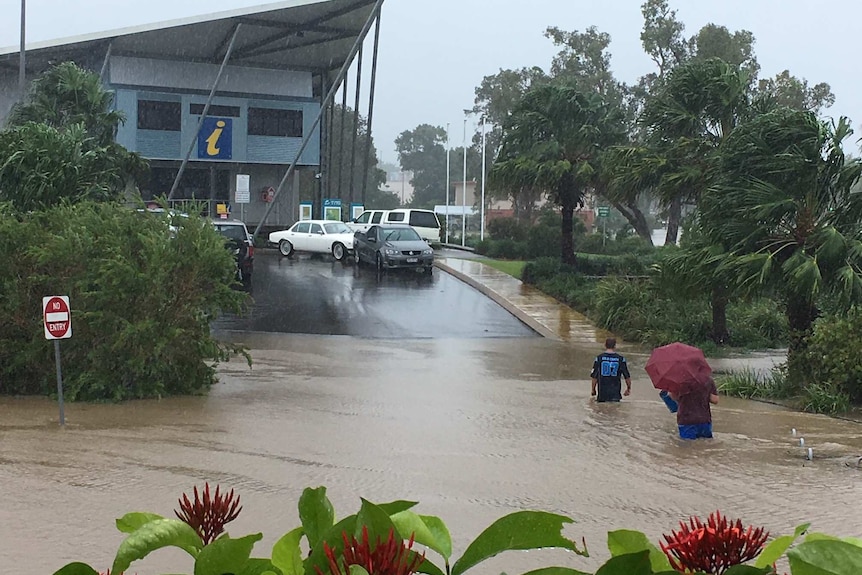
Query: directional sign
[(604, 211), (56, 317)]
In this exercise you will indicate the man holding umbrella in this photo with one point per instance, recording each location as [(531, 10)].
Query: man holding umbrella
[(683, 372)]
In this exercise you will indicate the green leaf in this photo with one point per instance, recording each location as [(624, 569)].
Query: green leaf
[(426, 530), (397, 506), (555, 571), (376, 520), (517, 531), (629, 564), (156, 535), (259, 567), (130, 522), (426, 566), (226, 555), (748, 570), (825, 557), (358, 570), (779, 546), (286, 553), (624, 541), (316, 513), (332, 538), (76, 569)]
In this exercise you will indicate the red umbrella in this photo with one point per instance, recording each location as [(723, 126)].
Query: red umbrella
[(678, 368)]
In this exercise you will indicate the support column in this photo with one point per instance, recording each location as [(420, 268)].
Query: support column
[(365, 157), (355, 133), (204, 113), (339, 77), (341, 137)]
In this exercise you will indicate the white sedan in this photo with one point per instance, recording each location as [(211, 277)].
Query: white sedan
[(315, 236)]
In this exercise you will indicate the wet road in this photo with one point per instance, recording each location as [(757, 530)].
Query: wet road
[(318, 295), (471, 428)]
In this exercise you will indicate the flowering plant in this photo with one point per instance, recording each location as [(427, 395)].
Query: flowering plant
[(379, 540)]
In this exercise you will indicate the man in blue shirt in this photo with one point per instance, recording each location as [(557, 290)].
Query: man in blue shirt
[(609, 369)]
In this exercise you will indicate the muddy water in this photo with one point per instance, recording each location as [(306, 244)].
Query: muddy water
[(472, 429)]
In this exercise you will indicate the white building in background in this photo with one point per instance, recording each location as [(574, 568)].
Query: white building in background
[(399, 183)]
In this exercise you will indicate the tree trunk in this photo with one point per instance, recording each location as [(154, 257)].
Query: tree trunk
[(567, 241), (801, 313), (720, 333), (674, 213), (636, 218)]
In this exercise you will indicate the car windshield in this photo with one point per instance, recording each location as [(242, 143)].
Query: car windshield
[(337, 228), (400, 235), (232, 232)]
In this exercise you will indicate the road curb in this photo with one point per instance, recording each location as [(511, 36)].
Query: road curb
[(523, 316)]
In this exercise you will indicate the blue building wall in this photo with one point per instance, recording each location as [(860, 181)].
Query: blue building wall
[(167, 145)]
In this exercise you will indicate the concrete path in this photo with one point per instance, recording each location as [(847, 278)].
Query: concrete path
[(541, 312)]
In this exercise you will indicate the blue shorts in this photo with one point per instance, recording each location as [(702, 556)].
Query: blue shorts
[(695, 431)]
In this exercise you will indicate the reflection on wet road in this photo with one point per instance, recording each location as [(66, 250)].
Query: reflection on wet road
[(319, 295), (471, 428)]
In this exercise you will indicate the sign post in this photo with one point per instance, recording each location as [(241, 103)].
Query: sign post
[(604, 212), (243, 193), (57, 320)]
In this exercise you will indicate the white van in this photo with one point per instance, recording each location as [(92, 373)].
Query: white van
[(425, 222)]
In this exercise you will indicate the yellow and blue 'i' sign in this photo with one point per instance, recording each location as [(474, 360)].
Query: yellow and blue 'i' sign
[(215, 141)]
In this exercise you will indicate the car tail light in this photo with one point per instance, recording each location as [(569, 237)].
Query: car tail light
[(251, 251)]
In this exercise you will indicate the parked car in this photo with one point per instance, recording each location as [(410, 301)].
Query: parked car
[(392, 246), (241, 243), (425, 222), (315, 236)]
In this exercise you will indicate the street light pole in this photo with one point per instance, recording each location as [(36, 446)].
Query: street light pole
[(447, 182), (464, 192), (22, 58), (482, 228)]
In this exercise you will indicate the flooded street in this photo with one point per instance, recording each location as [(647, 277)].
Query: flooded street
[(472, 429)]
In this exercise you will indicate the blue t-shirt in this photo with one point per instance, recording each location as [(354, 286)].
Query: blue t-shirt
[(609, 369)]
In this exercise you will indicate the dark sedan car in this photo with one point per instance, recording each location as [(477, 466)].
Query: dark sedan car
[(240, 243), (393, 246)]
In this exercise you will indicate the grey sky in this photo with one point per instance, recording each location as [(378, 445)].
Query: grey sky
[(435, 52)]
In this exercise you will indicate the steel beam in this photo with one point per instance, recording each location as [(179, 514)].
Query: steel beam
[(325, 102), (106, 60), (355, 133), (204, 113), (370, 107)]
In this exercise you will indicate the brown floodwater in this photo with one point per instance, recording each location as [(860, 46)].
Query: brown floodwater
[(473, 429)]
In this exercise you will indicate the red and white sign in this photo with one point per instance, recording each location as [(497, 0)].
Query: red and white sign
[(57, 317)]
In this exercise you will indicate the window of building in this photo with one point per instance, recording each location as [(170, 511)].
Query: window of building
[(156, 115), (272, 122), (215, 110)]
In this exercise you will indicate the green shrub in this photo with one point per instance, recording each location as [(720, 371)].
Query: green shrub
[(543, 241), (541, 269), (142, 300), (749, 384), (507, 229), (506, 249), (831, 360)]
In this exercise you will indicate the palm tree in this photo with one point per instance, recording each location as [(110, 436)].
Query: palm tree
[(554, 141), (787, 208), (66, 95)]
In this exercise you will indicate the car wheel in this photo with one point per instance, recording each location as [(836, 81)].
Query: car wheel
[(338, 251), (357, 259), (285, 248), (379, 263), (428, 270)]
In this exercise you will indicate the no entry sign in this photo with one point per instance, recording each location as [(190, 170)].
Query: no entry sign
[(56, 317)]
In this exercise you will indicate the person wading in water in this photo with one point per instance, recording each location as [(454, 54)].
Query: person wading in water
[(609, 369)]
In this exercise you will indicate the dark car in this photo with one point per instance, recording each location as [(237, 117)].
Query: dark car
[(240, 242), (393, 246)]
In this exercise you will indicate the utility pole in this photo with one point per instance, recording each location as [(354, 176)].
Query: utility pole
[(22, 58), (482, 228), (464, 192), (447, 182)]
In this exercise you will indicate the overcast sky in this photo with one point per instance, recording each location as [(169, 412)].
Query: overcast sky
[(435, 52)]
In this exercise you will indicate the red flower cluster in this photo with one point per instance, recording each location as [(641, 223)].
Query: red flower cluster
[(390, 557), (713, 547), (208, 515)]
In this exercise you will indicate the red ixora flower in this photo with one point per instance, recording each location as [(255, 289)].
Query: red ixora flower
[(209, 514), (712, 547), (390, 557)]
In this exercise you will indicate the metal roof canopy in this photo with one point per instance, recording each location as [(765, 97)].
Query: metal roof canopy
[(303, 35)]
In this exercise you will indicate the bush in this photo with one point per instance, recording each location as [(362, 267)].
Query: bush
[(748, 384), (506, 249), (541, 269), (831, 364), (507, 229), (142, 301), (543, 241)]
